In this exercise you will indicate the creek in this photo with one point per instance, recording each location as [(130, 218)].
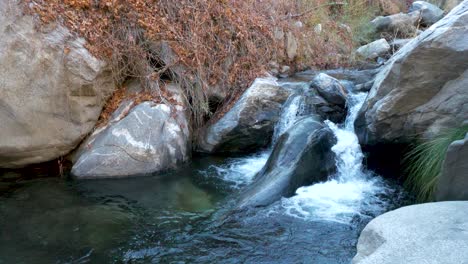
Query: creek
[(186, 216)]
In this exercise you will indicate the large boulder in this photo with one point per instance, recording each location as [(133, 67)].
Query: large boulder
[(328, 97), (423, 88), (301, 156), (453, 179), (249, 124), (427, 233), (52, 89), (145, 139), (429, 13)]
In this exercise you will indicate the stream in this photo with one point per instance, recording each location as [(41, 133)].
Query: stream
[(184, 216)]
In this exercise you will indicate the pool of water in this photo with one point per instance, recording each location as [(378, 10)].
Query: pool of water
[(179, 217)]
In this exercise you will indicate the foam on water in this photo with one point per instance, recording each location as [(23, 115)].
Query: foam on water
[(241, 171), (351, 191)]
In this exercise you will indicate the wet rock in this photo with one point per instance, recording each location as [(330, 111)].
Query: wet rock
[(150, 138), (426, 233), (423, 88), (453, 180), (249, 125), (330, 89), (328, 98), (429, 13), (364, 87), (52, 89), (374, 49), (301, 156)]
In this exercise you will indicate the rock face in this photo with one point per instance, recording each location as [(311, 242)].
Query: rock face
[(429, 13), (427, 233), (52, 90), (151, 138), (374, 49), (301, 156), (423, 88), (453, 180), (250, 123)]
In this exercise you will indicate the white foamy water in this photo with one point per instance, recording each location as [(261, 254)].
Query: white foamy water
[(292, 110), (351, 191), (241, 171)]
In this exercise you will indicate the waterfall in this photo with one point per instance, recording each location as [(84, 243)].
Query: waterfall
[(241, 171), (352, 190)]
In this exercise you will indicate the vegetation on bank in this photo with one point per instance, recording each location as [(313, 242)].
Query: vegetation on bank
[(213, 49), (424, 162)]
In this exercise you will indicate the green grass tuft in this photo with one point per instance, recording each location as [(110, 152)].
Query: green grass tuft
[(424, 162)]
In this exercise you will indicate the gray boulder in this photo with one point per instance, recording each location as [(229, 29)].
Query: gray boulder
[(52, 89), (150, 138), (301, 156), (397, 25), (374, 49), (330, 89), (429, 13), (423, 88), (249, 124), (453, 180), (431, 233)]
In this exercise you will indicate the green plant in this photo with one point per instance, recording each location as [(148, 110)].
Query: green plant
[(424, 162)]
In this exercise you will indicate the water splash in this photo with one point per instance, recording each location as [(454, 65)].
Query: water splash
[(348, 193)]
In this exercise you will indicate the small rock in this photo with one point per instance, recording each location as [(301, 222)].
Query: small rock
[(330, 89), (318, 28), (374, 49)]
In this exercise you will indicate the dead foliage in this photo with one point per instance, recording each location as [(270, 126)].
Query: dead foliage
[(208, 47)]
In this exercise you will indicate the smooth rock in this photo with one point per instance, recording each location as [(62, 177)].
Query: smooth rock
[(453, 179), (374, 49), (249, 124), (150, 138), (52, 89), (429, 13), (330, 89), (430, 233), (302, 156), (423, 88)]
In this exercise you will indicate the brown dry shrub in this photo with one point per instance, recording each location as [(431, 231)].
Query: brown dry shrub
[(214, 46)]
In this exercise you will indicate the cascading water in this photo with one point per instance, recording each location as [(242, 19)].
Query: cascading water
[(241, 171), (352, 190)]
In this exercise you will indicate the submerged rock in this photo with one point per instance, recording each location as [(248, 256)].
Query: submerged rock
[(151, 138), (423, 88), (374, 49), (249, 124), (301, 156), (429, 13), (52, 89), (427, 233), (453, 180)]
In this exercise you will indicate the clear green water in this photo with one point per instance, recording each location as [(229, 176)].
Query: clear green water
[(180, 217)]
